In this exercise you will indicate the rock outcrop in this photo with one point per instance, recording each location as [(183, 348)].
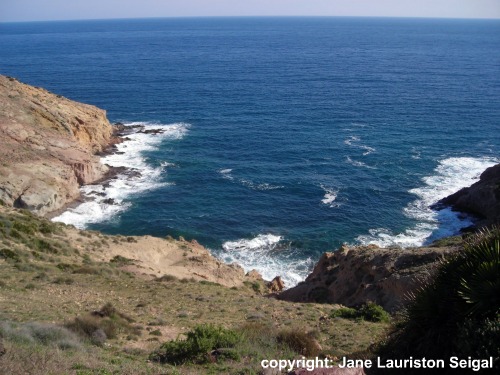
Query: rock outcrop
[(481, 199), (352, 276), (47, 146)]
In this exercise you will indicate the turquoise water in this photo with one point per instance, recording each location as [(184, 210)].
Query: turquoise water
[(284, 137)]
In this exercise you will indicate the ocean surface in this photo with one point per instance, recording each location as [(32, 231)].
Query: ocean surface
[(284, 137)]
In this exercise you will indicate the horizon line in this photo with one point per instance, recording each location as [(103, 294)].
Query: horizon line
[(253, 16)]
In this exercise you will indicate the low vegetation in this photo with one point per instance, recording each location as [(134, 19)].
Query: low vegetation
[(64, 311), (110, 321), (370, 312)]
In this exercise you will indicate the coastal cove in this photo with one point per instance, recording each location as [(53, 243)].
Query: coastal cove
[(250, 196), (263, 161)]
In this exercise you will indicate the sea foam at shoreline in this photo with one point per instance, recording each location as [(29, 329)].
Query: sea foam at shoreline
[(451, 175), (103, 202)]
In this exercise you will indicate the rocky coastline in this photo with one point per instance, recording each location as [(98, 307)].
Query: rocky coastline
[(51, 146), (482, 199)]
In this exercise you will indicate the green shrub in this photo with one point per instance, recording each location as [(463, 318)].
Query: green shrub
[(48, 228), (16, 234), (44, 246), (119, 260), (107, 321), (345, 312), (374, 313), (26, 228), (167, 278), (370, 311), (8, 254), (202, 340)]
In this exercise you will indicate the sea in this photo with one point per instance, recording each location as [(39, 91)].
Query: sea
[(282, 138)]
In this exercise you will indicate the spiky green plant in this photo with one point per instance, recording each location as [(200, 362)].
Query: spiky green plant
[(464, 292)]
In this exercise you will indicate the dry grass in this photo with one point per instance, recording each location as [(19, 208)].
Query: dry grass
[(172, 307)]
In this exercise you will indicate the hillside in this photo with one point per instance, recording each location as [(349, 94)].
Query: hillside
[(53, 274)]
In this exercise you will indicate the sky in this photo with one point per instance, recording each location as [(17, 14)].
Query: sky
[(45, 10)]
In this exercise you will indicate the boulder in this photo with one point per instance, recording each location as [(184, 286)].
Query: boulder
[(276, 285)]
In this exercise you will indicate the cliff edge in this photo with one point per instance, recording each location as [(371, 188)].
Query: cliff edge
[(351, 276), (481, 199), (47, 147)]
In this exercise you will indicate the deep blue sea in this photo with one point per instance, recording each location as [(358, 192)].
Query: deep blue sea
[(284, 137)]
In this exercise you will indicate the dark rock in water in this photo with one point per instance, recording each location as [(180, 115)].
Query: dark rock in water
[(481, 199), (109, 201), (98, 193), (133, 173), (152, 131)]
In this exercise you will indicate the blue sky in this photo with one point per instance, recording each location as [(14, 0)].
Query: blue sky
[(36, 10)]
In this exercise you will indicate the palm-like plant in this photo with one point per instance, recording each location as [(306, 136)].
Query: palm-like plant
[(480, 284), (464, 293)]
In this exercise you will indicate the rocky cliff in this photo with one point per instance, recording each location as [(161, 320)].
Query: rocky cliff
[(352, 276), (47, 146), (481, 199)]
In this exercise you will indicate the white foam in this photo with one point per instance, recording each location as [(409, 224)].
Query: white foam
[(267, 254), (226, 173), (358, 163), (330, 196), (450, 175), (259, 186), (103, 202), (349, 141), (415, 153), (354, 141)]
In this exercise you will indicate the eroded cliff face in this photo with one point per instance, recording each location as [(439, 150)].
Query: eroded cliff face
[(352, 276), (47, 146)]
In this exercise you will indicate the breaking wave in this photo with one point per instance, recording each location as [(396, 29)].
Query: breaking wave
[(450, 175), (103, 202), (270, 255)]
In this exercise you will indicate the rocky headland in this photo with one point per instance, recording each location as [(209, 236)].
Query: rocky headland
[(482, 199), (48, 147), (351, 276)]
